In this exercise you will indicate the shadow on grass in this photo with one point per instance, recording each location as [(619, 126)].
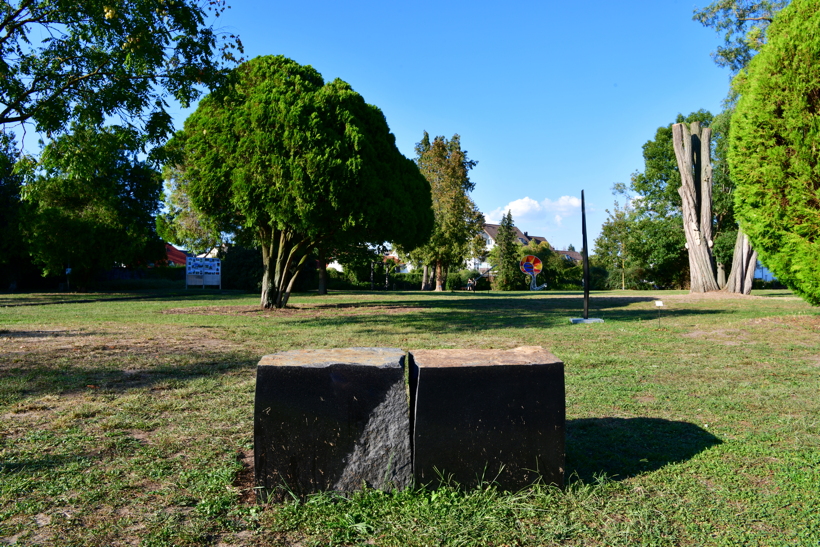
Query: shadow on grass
[(49, 461), (496, 311), (35, 379), (47, 299), (620, 448)]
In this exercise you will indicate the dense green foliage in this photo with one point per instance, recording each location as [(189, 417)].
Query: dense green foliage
[(505, 256), (774, 149), (180, 222), (90, 204), (297, 164), (65, 61), (457, 220)]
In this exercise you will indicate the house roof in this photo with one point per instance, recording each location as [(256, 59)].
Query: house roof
[(492, 231), (572, 255), (175, 256)]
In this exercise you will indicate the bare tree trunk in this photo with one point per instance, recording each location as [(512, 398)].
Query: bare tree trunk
[(322, 271), (743, 266), (721, 275), (694, 164), (268, 293), (425, 278), (285, 294), (372, 274), (266, 300), (440, 276)]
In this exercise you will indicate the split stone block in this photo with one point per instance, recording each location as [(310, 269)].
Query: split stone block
[(492, 415), (331, 419)]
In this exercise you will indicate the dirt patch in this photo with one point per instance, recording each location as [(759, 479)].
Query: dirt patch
[(714, 295), (727, 337), (244, 481), (806, 321)]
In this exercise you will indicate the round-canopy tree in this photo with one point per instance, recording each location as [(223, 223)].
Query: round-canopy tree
[(300, 164), (775, 149)]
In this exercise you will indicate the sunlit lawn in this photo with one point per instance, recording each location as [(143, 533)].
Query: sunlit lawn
[(129, 421)]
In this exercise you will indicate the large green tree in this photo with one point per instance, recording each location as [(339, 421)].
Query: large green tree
[(458, 222), (298, 163), (774, 147), (506, 256), (90, 203), (64, 61), (180, 222)]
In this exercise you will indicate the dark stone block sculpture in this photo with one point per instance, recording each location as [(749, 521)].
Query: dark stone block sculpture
[(490, 415), (331, 419)]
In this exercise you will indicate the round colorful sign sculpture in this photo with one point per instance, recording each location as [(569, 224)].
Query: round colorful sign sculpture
[(532, 266)]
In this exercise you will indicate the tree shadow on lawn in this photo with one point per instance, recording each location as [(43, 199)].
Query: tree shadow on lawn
[(47, 299), (619, 448), (462, 314), (43, 378)]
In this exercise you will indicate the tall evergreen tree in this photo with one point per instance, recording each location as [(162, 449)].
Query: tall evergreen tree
[(774, 147), (508, 255), (457, 219)]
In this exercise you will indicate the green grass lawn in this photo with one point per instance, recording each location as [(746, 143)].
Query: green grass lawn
[(127, 419)]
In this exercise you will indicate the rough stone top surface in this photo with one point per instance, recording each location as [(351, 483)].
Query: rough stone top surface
[(526, 355), (320, 358)]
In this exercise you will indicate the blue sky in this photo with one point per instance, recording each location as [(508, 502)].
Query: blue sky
[(550, 98)]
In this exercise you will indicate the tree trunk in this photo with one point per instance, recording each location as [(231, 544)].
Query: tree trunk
[(321, 268), (284, 295), (440, 279), (372, 275), (695, 167), (267, 297), (425, 278), (721, 275), (743, 266)]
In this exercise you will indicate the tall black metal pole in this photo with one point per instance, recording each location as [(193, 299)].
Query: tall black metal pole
[(585, 256)]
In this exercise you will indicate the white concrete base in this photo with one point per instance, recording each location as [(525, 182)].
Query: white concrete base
[(590, 320)]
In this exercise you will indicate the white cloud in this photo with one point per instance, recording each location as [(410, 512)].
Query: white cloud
[(527, 211)]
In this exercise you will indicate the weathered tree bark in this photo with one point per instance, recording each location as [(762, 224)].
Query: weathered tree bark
[(721, 275), (693, 154), (267, 297), (743, 266), (372, 276), (425, 278), (441, 276), (279, 252)]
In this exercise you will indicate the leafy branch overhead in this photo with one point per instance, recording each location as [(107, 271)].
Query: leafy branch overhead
[(85, 61), (743, 24)]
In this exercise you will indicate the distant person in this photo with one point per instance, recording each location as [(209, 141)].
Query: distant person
[(471, 284)]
